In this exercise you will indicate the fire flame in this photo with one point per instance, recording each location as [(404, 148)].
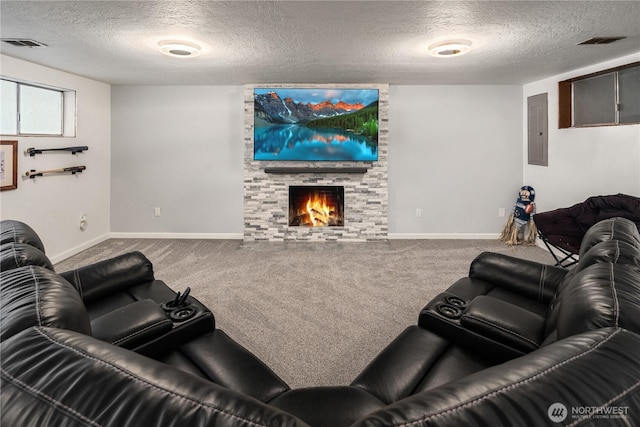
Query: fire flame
[(321, 210)]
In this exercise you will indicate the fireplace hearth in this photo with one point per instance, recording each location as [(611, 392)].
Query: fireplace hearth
[(316, 206)]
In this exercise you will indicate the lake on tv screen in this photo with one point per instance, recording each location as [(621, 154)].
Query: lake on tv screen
[(298, 142)]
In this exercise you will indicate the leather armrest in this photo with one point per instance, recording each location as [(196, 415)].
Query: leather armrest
[(400, 368), (531, 279), (107, 277), (132, 324), (504, 322), (444, 319), (218, 358)]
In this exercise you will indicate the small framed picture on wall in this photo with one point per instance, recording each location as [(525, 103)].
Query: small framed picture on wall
[(9, 165)]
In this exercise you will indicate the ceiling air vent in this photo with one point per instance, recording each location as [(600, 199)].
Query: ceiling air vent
[(24, 43), (601, 40)]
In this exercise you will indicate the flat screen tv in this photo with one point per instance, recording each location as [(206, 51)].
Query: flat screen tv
[(315, 124)]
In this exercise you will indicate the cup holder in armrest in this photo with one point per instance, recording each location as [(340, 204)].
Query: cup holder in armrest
[(456, 302), (449, 311), (445, 310), (178, 308), (183, 313), (179, 313), (169, 306), (189, 319), (179, 301)]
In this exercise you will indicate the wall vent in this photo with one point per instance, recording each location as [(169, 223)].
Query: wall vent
[(24, 42), (601, 40)]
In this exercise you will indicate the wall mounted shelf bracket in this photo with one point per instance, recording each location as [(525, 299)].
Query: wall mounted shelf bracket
[(72, 170), (73, 150)]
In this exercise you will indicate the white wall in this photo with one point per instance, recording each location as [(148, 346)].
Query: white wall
[(53, 204), (583, 162), (179, 148), (455, 152)]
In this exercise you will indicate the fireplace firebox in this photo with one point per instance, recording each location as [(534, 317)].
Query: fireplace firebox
[(316, 206)]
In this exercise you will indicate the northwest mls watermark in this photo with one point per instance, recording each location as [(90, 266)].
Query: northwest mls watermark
[(558, 412)]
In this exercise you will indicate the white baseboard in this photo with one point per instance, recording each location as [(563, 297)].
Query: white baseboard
[(68, 253), (125, 235), (461, 236), (239, 236)]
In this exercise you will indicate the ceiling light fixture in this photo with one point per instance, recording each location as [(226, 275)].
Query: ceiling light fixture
[(179, 48), (450, 48)]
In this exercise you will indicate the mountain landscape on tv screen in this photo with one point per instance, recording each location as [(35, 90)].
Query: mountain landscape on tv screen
[(312, 124), (272, 109)]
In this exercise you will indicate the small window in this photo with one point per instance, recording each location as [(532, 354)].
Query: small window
[(595, 101), (629, 82), (29, 109), (9, 116), (610, 97)]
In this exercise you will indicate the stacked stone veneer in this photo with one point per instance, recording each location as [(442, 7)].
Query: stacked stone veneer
[(266, 195)]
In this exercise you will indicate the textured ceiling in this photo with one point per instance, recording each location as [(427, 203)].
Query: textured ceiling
[(514, 42)]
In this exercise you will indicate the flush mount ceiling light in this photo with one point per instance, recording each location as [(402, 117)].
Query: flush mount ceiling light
[(449, 48), (179, 48)]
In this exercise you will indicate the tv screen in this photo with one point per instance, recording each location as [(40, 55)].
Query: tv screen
[(315, 124)]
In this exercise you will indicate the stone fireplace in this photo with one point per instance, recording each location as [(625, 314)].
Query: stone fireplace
[(362, 189)]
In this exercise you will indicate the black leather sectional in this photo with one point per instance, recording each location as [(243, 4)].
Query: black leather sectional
[(516, 343)]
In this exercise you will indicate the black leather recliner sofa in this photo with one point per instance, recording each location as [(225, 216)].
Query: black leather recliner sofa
[(516, 343)]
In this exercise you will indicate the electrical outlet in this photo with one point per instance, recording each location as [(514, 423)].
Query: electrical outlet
[(157, 212), (83, 222), (418, 212), (501, 212)]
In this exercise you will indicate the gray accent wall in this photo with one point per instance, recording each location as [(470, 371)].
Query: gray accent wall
[(178, 148), (455, 152)]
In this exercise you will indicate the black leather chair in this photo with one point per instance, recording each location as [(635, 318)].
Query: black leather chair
[(529, 284), (448, 371), (54, 373), (521, 355), (127, 306), (121, 295)]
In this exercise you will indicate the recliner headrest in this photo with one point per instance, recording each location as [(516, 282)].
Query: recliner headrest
[(14, 255), (611, 229), (613, 251), (19, 232), (602, 295), (35, 296)]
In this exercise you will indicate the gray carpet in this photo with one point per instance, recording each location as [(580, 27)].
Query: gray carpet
[(316, 313)]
